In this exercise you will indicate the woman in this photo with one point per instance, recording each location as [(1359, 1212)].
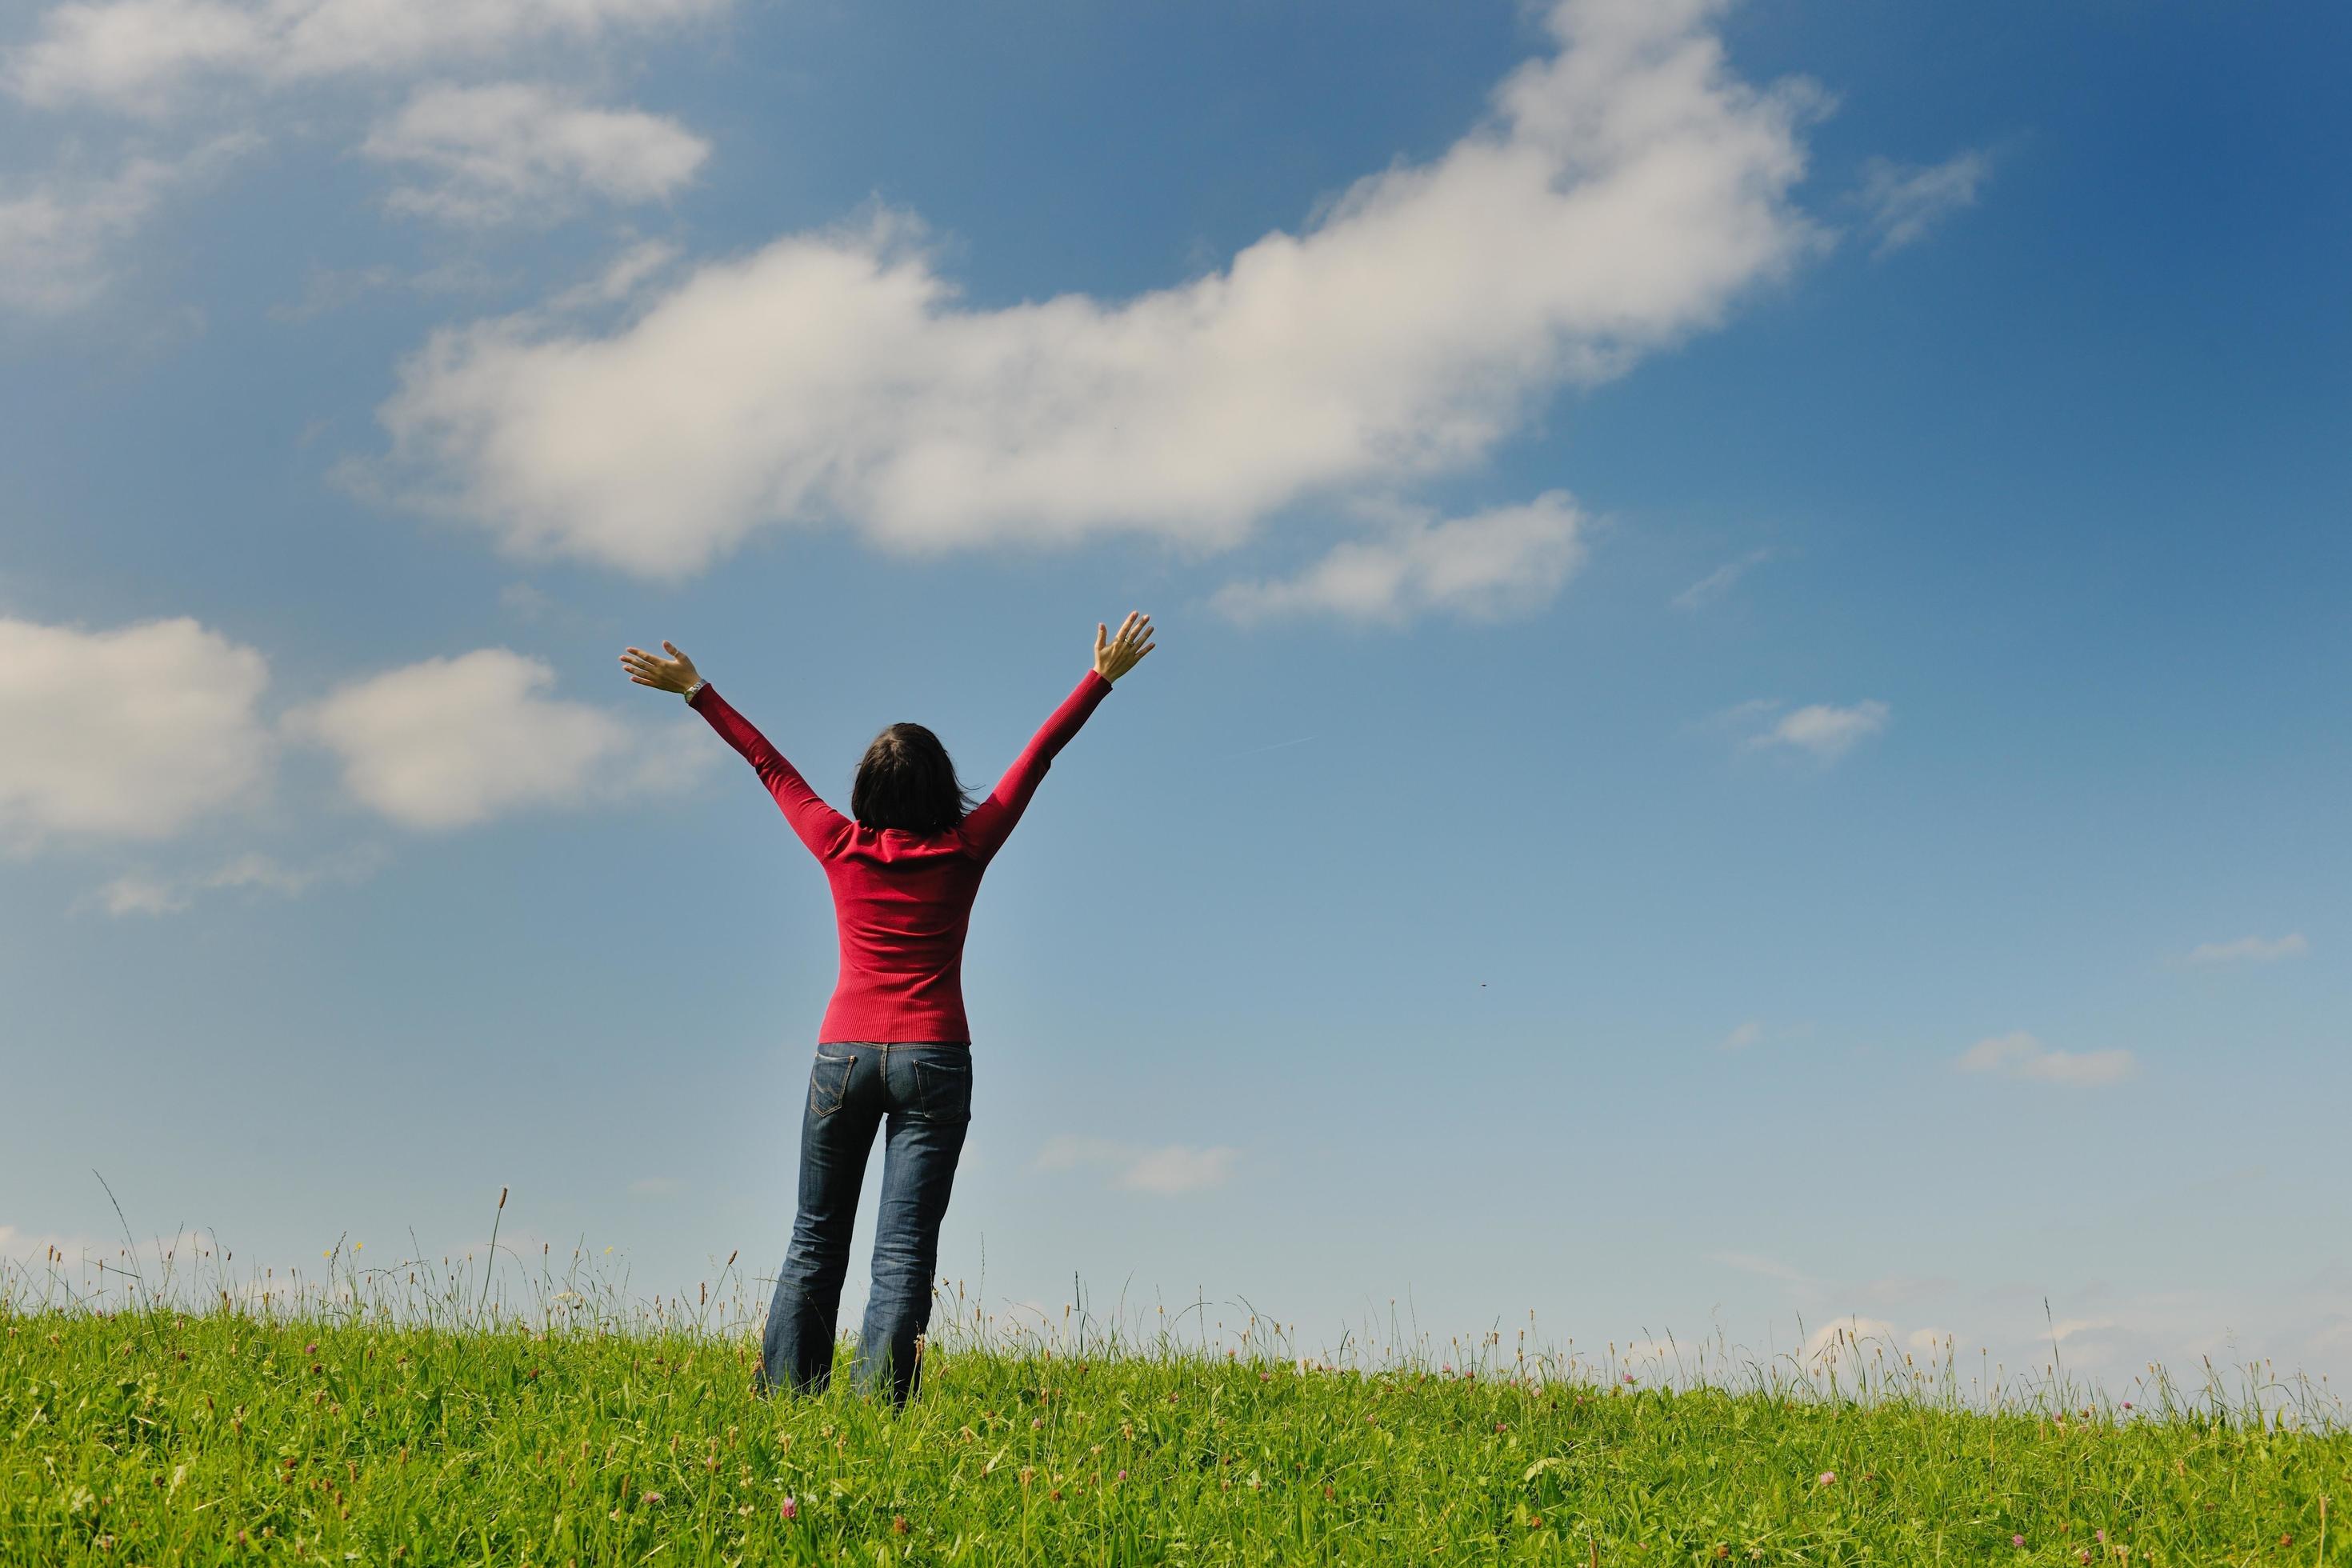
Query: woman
[(893, 1043)]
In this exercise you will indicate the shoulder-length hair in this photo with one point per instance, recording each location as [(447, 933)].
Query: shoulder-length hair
[(908, 782)]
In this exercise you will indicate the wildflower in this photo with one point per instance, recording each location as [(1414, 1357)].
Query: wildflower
[(1035, 1422), (1535, 1522), (1055, 1494), (650, 1499), (1829, 1477), (789, 1510), (2017, 1541), (2127, 1404), (1122, 1475), (899, 1522), (2100, 1536), (310, 1348), (1628, 1377)]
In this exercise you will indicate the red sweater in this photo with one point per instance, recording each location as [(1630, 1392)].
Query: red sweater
[(902, 901)]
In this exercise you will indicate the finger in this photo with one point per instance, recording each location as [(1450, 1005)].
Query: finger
[(669, 644), (1100, 635)]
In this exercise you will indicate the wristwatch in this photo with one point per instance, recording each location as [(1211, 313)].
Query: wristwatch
[(692, 689)]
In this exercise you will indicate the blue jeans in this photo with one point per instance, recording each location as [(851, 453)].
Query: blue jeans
[(925, 1091)]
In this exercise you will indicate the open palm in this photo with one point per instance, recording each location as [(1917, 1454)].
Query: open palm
[(1114, 657), (675, 673)]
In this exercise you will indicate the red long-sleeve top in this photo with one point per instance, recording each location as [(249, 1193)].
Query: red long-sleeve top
[(902, 901)]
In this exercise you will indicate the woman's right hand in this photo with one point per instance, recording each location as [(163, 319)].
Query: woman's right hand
[(1114, 657)]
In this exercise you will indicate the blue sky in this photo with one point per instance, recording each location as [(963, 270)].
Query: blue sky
[(1748, 727)]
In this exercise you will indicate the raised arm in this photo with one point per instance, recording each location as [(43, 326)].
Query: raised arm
[(991, 822), (820, 827)]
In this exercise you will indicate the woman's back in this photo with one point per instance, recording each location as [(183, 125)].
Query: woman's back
[(902, 901)]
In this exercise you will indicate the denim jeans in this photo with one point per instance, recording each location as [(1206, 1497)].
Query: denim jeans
[(925, 1091)]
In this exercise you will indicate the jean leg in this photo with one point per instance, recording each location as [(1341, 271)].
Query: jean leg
[(930, 1112), (838, 1120)]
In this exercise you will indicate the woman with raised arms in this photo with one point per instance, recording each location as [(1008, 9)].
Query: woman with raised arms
[(893, 1051)]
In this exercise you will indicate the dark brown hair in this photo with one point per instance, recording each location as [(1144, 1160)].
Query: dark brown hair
[(907, 782)]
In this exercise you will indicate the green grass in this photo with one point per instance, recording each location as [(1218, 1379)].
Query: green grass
[(334, 1429)]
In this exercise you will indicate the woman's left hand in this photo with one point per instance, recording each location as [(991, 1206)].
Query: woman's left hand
[(675, 673)]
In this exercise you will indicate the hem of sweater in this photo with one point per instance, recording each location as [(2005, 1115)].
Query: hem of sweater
[(864, 1040), (932, 1030)]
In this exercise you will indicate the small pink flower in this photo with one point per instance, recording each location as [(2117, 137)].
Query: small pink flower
[(1265, 1377), (651, 1497), (1829, 1477), (1035, 1422), (2084, 1555), (310, 1348), (1628, 1377), (790, 1510), (2100, 1536), (2017, 1541), (1122, 1475), (2127, 1404)]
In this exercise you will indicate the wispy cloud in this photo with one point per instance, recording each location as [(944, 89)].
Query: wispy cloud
[(508, 152), (1719, 582), (1821, 730), (136, 55), (1491, 566), (1767, 1267), (2250, 950), (2021, 1055), (59, 239), (1627, 191), (1744, 1035), (1168, 1169), (130, 733), (146, 893), (449, 742), (1905, 200)]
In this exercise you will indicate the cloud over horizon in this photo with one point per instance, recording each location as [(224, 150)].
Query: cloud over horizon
[(2020, 1055)]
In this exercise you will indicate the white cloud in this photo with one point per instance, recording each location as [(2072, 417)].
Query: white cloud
[(2021, 1055), (508, 150), (1824, 730), (1510, 560), (2251, 950), (447, 743), (1625, 194), (144, 893), (57, 239), (1718, 582), (133, 55), (1168, 1170), (1905, 200), (129, 734), (1744, 1035)]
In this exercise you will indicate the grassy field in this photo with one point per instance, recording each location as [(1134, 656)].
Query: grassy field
[(329, 1428)]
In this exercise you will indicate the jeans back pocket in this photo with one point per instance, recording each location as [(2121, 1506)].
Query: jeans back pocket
[(829, 1082), (943, 1091)]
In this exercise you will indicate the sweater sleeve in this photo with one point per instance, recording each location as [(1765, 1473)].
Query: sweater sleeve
[(820, 827), (991, 821)]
